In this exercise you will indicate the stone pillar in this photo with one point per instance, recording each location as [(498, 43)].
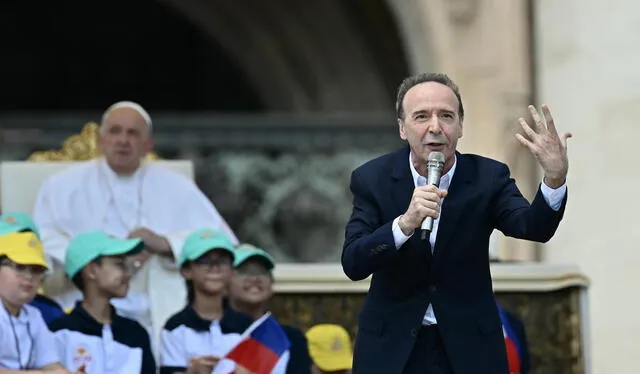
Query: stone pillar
[(588, 73)]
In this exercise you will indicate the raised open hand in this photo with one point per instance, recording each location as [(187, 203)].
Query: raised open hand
[(549, 148)]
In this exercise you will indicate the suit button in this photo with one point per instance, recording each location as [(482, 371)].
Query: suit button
[(414, 331), (432, 288)]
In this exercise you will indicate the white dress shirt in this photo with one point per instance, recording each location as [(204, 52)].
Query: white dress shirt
[(553, 197)]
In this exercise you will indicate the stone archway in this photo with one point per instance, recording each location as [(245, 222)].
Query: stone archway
[(313, 56)]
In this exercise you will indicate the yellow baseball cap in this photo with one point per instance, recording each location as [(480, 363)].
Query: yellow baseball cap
[(23, 248), (330, 347)]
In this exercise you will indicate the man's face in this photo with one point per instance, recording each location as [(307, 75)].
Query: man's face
[(431, 122), (125, 140)]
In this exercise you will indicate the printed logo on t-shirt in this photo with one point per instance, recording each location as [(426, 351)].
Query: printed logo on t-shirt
[(81, 357)]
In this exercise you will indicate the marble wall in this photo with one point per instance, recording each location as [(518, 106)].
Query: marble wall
[(587, 62)]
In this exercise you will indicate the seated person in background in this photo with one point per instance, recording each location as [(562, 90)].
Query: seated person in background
[(22, 222), (250, 291), (120, 195), (330, 349), (25, 341), (515, 341), (194, 339), (93, 338)]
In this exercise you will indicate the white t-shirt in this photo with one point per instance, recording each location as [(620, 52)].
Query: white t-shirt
[(25, 341)]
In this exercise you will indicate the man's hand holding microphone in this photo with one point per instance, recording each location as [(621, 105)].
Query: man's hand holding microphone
[(425, 202), (424, 207)]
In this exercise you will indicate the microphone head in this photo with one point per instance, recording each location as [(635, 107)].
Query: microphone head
[(435, 160), (436, 156)]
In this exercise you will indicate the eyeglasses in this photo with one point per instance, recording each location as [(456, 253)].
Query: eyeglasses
[(252, 271), (213, 262), (25, 271)]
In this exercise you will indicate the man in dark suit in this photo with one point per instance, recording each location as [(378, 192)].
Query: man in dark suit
[(430, 307)]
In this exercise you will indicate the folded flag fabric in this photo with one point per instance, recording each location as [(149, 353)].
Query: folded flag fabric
[(260, 346), (511, 342)]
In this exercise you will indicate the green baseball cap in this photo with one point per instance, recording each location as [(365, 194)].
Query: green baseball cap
[(203, 241), (88, 246), (246, 251), (17, 222)]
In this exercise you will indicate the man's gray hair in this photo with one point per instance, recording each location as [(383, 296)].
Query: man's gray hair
[(131, 105)]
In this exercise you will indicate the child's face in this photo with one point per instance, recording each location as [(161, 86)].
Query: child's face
[(19, 283), (252, 282), (111, 275), (210, 272)]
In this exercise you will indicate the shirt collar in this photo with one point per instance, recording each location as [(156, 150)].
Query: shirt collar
[(231, 321), (448, 175), (113, 177), (88, 324), (23, 316)]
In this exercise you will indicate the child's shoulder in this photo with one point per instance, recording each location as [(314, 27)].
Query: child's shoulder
[(181, 318), (131, 325), (63, 322)]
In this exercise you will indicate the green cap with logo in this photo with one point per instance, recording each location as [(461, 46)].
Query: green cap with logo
[(17, 222), (203, 241), (89, 246), (246, 251)]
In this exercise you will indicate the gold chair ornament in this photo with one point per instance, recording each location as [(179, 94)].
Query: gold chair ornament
[(78, 147)]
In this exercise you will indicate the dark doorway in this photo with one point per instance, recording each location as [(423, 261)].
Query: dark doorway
[(84, 55)]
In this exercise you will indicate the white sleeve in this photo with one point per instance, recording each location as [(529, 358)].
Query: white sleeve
[(54, 238), (43, 340), (172, 353), (553, 196), (399, 237)]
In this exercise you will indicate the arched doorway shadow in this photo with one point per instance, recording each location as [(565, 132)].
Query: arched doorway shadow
[(86, 55), (194, 55)]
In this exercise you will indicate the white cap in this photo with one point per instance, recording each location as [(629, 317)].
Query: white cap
[(131, 105)]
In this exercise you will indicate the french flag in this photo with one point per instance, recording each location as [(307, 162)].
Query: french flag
[(260, 346)]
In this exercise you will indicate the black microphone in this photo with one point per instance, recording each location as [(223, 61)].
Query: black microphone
[(435, 165)]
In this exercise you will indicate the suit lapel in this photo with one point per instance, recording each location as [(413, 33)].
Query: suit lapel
[(454, 203), (403, 184)]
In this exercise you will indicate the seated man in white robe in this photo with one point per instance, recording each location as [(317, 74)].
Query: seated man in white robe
[(124, 197)]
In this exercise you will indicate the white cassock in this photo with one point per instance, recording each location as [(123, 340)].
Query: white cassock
[(90, 197)]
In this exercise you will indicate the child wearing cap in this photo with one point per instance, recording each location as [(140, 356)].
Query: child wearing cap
[(22, 222), (93, 337), (194, 339), (251, 289), (26, 344), (330, 348)]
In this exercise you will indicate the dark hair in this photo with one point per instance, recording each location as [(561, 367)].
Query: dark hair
[(191, 291), (78, 280), (415, 80)]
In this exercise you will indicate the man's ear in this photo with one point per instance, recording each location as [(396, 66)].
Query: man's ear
[(460, 127), (401, 129), (150, 143)]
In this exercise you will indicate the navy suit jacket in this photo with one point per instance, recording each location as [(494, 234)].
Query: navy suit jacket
[(455, 279)]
